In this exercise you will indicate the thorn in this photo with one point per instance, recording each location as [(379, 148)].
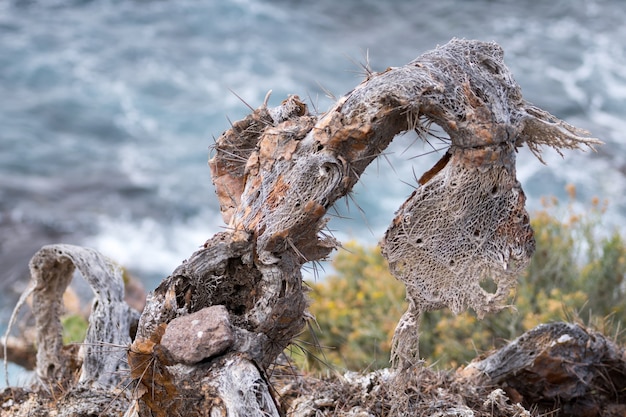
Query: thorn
[(365, 67), (327, 92), (408, 183), (313, 102), (389, 162), (361, 211), (296, 250), (267, 98), (242, 100), (429, 152)]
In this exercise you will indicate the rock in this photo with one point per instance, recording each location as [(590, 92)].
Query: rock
[(198, 336)]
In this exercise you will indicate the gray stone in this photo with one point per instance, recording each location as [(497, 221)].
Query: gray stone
[(198, 336)]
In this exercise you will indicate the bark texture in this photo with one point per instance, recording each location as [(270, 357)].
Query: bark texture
[(277, 172), (559, 366), (110, 321), (80, 379)]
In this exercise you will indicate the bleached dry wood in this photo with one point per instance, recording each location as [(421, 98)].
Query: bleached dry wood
[(78, 379), (110, 320), (277, 172), (558, 365)]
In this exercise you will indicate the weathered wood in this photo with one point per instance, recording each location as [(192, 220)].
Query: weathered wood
[(558, 365), (110, 320), (78, 379), (278, 171)]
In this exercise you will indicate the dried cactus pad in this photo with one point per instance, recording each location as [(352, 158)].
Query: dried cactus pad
[(466, 224)]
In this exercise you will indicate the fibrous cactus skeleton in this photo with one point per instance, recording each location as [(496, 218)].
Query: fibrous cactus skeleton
[(277, 172)]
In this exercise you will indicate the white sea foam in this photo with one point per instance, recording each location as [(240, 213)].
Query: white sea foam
[(150, 249)]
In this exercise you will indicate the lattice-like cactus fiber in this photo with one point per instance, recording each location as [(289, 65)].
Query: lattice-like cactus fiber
[(466, 224)]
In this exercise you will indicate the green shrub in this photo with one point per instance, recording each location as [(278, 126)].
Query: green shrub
[(356, 310), (74, 328)]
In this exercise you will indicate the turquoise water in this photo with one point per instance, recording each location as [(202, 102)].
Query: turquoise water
[(108, 108)]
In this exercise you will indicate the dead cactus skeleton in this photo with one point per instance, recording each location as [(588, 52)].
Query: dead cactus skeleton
[(277, 172), (467, 222)]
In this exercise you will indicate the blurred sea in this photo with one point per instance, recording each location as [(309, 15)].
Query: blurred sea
[(108, 108)]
